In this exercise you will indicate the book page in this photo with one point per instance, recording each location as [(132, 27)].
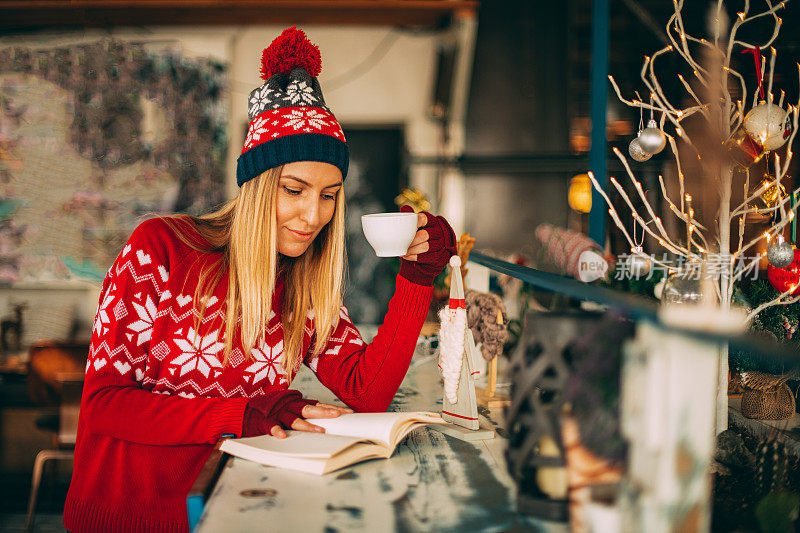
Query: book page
[(374, 426), (297, 443), (350, 454)]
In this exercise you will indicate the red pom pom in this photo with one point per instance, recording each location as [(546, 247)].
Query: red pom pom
[(291, 49)]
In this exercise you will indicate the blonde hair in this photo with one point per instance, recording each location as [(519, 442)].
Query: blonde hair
[(243, 231)]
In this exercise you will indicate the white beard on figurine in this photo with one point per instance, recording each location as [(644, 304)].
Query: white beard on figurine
[(451, 340), (457, 353)]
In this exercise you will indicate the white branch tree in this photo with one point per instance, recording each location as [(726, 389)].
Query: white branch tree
[(723, 114)]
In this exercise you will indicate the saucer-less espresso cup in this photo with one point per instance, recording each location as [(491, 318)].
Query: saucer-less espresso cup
[(389, 234)]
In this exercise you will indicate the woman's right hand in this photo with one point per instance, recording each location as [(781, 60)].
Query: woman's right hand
[(430, 251), (276, 411)]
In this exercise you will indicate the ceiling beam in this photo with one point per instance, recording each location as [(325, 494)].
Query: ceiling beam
[(22, 15)]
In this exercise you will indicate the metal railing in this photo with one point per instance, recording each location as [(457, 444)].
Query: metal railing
[(634, 306)]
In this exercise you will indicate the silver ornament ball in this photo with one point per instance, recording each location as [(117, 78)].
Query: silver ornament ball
[(682, 287), (637, 152), (658, 290), (637, 263), (780, 254), (652, 140)]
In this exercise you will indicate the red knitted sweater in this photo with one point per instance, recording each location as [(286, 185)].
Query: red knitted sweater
[(157, 397)]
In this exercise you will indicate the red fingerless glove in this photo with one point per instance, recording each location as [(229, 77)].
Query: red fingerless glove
[(276, 408), (441, 247)]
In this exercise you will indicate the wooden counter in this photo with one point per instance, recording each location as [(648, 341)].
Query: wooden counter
[(432, 482)]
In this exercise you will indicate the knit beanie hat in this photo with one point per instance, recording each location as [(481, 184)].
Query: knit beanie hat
[(289, 120)]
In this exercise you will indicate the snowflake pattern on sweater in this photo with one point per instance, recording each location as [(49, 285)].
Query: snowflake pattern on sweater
[(185, 360)]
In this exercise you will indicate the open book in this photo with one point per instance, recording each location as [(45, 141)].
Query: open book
[(348, 439)]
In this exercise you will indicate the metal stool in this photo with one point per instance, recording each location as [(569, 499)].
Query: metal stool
[(71, 388)]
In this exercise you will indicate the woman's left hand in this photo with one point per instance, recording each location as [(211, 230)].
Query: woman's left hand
[(317, 410), (431, 249), (275, 411)]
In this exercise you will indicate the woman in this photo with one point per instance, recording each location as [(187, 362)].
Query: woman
[(165, 378)]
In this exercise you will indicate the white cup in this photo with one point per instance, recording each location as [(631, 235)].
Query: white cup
[(389, 234)]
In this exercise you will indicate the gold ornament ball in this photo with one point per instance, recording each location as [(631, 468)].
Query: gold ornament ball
[(768, 124), (772, 194), (579, 196), (414, 198), (637, 152)]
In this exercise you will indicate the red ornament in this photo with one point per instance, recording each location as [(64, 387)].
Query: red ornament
[(291, 49), (783, 279)]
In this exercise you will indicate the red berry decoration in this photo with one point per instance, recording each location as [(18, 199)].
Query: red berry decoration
[(289, 50), (783, 279)]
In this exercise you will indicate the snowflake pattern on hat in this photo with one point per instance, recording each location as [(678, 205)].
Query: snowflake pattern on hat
[(288, 121), (259, 101), (304, 120), (299, 92), (257, 128)]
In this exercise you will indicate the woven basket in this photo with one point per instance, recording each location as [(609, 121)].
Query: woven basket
[(735, 386), (766, 397)]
